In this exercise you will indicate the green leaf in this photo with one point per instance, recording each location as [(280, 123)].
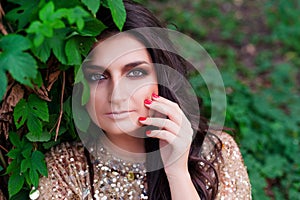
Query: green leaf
[(44, 137), (38, 163), (51, 143), (14, 153), (92, 5), (15, 183), (86, 92), (38, 80), (65, 4), (13, 166), (76, 15), (47, 11), (22, 66), (22, 195), (1, 168), (14, 139), (58, 45), (14, 43), (81, 117), (92, 27), (43, 50), (273, 166), (85, 45), (118, 12), (20, 113), (34, 110), (26, 149), (25, 164), (3, 83), (38, 40), (38, 107), (79, 78), (25, 12), (72, 52), (34, 177)]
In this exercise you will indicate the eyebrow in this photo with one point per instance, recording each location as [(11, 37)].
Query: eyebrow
[(126, 67)]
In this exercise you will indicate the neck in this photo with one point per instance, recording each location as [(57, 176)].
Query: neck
[(125, 146), (127, 143)]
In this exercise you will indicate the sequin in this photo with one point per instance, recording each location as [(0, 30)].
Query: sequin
[(118, 179), (113, 178)]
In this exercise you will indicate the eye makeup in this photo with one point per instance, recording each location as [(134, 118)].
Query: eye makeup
[(134, 70)]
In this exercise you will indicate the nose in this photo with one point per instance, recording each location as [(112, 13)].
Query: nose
[(118, 92)]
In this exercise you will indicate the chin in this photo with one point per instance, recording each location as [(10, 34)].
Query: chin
[(121, 129)]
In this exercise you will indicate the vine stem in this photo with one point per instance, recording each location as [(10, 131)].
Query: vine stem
[(2, 28), (4, 148), (61, 105), (2, 159)]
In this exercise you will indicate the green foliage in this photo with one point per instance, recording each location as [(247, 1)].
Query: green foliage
[(283, 18), (21, 65), (118, 12), (46, 41), (92, 5), (34, 111), (263, 98), (26, 166)]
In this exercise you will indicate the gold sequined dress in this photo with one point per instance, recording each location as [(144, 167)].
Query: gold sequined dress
[(113, 178)]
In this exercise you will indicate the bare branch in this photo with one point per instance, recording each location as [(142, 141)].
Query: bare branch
[(61, 104), (2, 28)]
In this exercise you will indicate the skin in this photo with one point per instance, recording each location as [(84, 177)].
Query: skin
[(121, 76), (124, 100)]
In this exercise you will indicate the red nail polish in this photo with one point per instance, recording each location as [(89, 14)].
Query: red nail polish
[(148, 132), (147, 101), (154, 95), (142, 118)]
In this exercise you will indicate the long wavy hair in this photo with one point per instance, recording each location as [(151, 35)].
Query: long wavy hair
[(203, 171)]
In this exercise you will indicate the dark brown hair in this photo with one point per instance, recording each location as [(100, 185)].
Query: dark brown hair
[(203, 171)]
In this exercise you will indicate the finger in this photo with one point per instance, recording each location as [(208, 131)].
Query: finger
[(167, 102), (162, 134), (162, 123), (169, 109)]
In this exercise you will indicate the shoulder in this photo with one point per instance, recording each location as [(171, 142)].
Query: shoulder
[(68, 174), (233, 176)]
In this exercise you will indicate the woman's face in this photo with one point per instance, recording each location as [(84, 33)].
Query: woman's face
[(121, 76)]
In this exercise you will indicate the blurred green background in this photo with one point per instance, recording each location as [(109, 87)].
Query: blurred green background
[(256, 46)]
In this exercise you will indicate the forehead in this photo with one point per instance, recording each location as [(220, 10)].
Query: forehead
[(121, 47)]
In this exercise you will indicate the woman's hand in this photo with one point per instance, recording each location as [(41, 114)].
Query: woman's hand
[(175, 134)]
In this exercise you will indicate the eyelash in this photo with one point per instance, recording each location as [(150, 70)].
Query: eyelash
[(142, 73), (93, 77)]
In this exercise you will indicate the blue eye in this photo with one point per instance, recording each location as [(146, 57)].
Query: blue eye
[(137, 73), (96, 77)]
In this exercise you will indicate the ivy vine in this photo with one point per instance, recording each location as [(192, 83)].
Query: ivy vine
[(42, 45)]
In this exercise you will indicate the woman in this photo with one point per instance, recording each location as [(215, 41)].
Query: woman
[(147, 142)]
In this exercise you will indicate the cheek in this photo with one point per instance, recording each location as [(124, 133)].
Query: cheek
[(94, 101), (144, 93), (90, 107)]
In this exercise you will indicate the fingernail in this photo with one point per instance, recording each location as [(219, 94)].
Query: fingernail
[(154, 95), (148, 132), (142, 118), (147, 101)]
